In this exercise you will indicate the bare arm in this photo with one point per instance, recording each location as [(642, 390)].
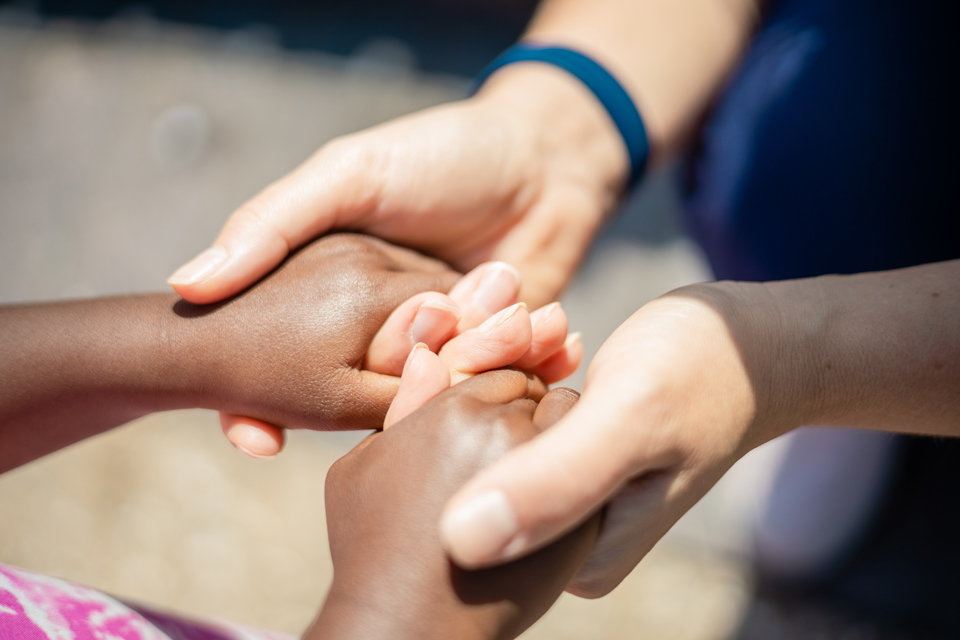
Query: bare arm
[(287, 351), (877, 350), (523, 172), (698, 377), (671, 56), (73, 369)]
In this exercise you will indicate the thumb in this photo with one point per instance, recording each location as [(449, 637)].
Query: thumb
[(424, 377), (332, 189), (541, 489)]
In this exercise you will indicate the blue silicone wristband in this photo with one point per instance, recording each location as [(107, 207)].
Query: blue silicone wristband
[(604, 86)]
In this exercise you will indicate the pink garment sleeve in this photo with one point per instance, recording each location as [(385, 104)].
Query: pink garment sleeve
[(38, 607)]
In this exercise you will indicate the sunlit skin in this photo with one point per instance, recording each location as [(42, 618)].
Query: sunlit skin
[(477, 327), (526, 171), (698, 377), (289, 351), (678, 393), (73, 369), (392, 578)]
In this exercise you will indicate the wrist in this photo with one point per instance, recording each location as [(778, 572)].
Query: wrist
[(78, 368), (785, 341), (756, 342), (145, 352), (187, 355), (352, 612), (571, 129)]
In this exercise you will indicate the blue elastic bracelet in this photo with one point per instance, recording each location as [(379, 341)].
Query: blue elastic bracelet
[(604, 86)]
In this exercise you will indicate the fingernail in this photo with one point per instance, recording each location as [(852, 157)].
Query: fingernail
[(413, 352), (258, 445), (250, 454), (573, 338), (481, 530), (541, 315), (204, 265), (498, 287), (435, 321), (498, 319)]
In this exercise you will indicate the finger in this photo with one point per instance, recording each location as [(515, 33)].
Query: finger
[(501, 386), (496, 343), (424, 377), (634, 521), (541, 489), (549, 325), (255, 438), (485, 291), (428, 318), (563, 363), (332, 189), (554, 406), (357, 400)]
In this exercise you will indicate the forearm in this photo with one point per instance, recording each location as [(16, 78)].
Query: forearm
[(876, 350), (73, 369), (671, 55)]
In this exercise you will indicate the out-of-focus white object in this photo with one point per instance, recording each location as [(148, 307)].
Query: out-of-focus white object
[(180, 136)]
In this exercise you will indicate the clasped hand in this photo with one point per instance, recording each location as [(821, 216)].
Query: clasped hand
[(321, 352)]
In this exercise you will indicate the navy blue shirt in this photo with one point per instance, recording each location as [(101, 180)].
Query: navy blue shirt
[(834, 149)]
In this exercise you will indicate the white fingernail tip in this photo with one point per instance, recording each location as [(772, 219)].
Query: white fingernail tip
[(201, 267), (543, 314), (500, 317), (440, 305)]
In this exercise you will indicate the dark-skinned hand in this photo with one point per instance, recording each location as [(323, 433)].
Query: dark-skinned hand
[(392, 578), (287, 351), (292, 348)]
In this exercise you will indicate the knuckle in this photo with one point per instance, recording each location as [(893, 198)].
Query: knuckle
[(336, 472), (339, 476), (256, 218), (352, 155), (251, 214), (342, 146), (352, 243), (454, 405)]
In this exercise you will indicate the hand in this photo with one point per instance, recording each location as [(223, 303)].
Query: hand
[(391, 575), (481, 340), (289, 351), (524, 173), (674, 397)]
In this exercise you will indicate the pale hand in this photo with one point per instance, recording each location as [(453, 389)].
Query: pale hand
[(519, 175), (671, 401)]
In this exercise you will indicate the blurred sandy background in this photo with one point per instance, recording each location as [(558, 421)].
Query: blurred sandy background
[(123, 146)]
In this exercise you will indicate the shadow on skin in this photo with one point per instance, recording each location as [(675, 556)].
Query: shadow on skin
[(384, 501)]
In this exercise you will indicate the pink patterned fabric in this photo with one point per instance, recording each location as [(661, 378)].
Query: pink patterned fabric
[(37, 607)]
